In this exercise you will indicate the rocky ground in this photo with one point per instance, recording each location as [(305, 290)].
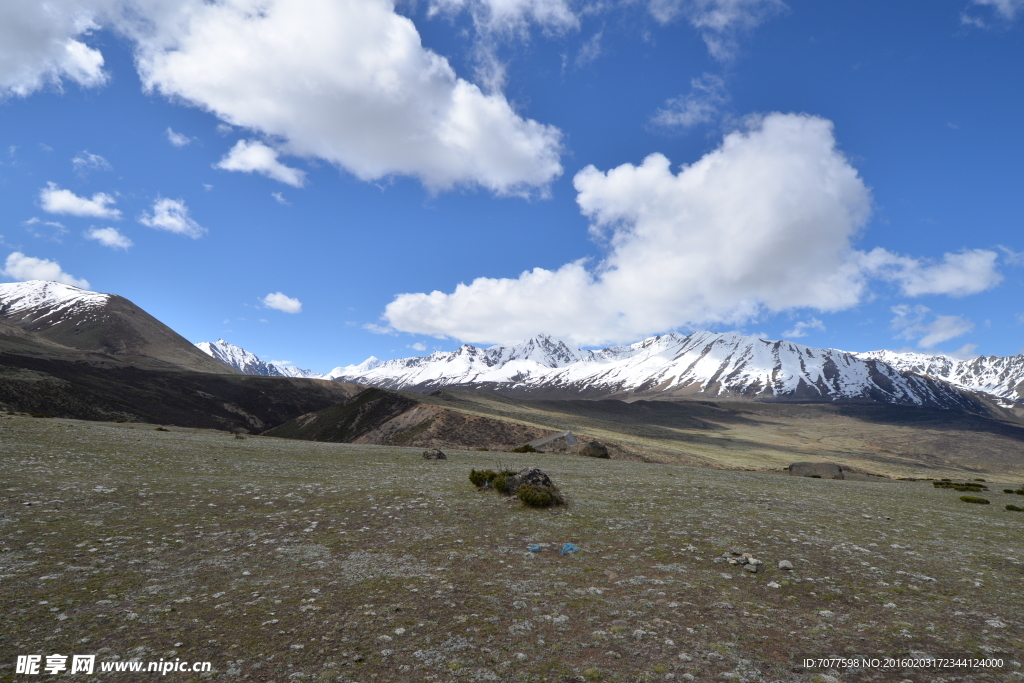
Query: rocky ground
[(286, 561)]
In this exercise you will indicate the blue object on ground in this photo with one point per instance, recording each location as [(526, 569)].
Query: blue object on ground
[(534, 548), (569, 548)]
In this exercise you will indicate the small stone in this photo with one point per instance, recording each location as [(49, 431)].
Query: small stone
[(786, 564), (773, 584), (434, 454), (752, 568)]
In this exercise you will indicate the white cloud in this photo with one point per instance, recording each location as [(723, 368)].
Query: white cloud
[(348, 81), (21, 267), (590, 50), (511, 15), (55, 200), (1007, 9), (418, 346), (253, 156), (280, 302), (40, 44), (177, 139), (911, 323), (172, 215), (707, 94), (109, 237), (85, 161), (800, 329), (38, 228), (279, 198), (763, 223), (719, 21), (968, 272)]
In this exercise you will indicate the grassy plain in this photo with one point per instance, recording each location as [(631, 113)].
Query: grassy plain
[(289, 561), (896, 441)]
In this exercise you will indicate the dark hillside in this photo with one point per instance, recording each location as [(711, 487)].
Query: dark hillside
[(112, 391)]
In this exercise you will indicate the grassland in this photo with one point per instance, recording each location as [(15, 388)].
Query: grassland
[(897, 441), (284, 561)]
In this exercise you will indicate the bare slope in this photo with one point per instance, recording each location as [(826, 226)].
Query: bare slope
[(109, 390)]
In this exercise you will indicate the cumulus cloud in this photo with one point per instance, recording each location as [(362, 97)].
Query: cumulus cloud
[(52, 199), (280, 302), (763, 224), (719, 21), (800, 329), (21, 267), (41, 43), (109, 237), (911, 322), (348, 81), (177, 139), (172, 215), (252, 156), (707, 94), (84, 161), (968, 272)]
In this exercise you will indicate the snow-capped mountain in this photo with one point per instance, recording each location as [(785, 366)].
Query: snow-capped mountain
[(998, 376), (250, 364), (78, 321), (50, 303), (700, 364)]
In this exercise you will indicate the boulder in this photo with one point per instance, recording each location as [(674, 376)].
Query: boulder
[(821, 470), (434, 454), (595, 449), (532, 476)]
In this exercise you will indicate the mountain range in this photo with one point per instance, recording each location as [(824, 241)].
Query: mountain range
[(53, 320), (699, 365)]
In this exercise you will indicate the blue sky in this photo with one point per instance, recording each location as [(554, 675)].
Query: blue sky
[(330, 179)]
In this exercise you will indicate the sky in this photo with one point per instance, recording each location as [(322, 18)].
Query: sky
[(318, 181)]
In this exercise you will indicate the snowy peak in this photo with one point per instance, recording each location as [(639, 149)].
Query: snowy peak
[(700, 364), (38, 300), (364, 367), (248, 363), (999, 376), (543, 350)]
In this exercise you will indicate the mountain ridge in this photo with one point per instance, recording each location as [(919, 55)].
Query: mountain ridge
[(700, 365)]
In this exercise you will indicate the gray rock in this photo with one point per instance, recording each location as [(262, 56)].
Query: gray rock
[(595, 449), (752, 568), (786, 564), (532, 476), (822, 470), (434, 454)]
